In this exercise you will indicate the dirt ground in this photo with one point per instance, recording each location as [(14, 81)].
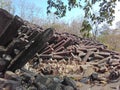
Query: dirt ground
[(110, 86)]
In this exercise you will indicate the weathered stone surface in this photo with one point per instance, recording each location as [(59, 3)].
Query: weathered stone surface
[(85, 80), (2, 65), (93, 77), (88, 72), (114, 76), (103, 69), (9, 84), (33, 88), (48, 53), (13, 26), (68, 88), (29, 53), (11, 76), (40, 86), (69, 82), (5, 19), (54, 86)]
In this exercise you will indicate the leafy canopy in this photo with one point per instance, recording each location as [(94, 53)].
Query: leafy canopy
[(105, 13)]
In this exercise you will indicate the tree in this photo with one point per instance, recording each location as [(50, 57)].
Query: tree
[(118, 24), (75, 27), (7, 5), (105, 12), (111, 38), (29, 11)]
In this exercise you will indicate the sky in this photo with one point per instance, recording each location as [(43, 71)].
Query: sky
[(117, 14), (70, 16), (43, 5)]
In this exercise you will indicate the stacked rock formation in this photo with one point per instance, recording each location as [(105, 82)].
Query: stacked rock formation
[(30, 56)]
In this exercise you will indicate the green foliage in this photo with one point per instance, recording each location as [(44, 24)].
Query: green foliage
[(86, 29), (105, 13), (58, 5)]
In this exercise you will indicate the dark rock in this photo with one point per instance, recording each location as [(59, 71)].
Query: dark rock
[(85, 80), (59, 87), (54, 86), (56, 79), (2, 65), (47, 71), (9, 84), (41, 79), (114, 76), (69, 82), (5, 19), (32, 88), (93, 77), (40, 86), (102, 69), (68, 88), (14, 25)]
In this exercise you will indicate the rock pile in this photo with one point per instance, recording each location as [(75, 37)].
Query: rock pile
[(67, 55), (36, 59), (27, 81)]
